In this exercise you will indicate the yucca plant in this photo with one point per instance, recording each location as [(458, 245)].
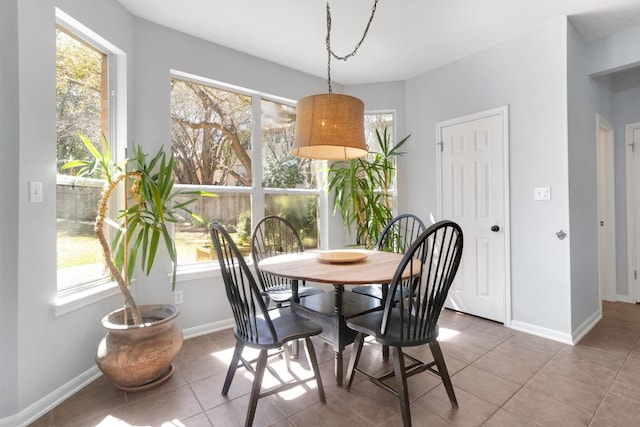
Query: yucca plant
[(361, 189), (142, 225)]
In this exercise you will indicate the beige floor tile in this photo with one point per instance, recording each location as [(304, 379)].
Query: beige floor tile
[(568, 390), (485, 385), (234, 413), (512, 362), (471, 411), (626, 386), (335, 413), (420, 417), (544, 410), (470, 344), (504, 418), (619, 411)]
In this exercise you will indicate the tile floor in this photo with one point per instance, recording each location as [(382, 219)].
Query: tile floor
[(501, 378)]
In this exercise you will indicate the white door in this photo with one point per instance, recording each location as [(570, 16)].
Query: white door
[(606, 212), (473, 193)]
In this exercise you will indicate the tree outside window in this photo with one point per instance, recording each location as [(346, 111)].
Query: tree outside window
[(82, 100), (215, 138)]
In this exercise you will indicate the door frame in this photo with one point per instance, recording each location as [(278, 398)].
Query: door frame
[(633, 212), (502, 111), (608, 291)]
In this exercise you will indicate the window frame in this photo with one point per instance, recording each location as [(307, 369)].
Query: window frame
[(256, 191), (97, 288)]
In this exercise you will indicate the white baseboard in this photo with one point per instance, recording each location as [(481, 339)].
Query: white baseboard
[(208, 328), (624, 298), (551, 334), (50, 401), (47, 403), (586, 326)]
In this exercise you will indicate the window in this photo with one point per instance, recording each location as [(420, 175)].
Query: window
[(83, 105), (235, 143), (381, 122)]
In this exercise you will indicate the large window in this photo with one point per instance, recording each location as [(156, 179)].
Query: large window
[(82, 107), (235, 143), (88, 102)]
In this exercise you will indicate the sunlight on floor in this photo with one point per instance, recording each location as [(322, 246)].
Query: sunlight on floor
[(446, 334), (299, 369)]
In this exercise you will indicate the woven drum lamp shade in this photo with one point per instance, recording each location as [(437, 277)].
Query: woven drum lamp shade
[(329, 127)]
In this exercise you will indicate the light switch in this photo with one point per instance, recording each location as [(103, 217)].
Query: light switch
[(542, 193), (35, 192)]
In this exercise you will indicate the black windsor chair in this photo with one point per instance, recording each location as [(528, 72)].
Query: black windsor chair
[(432, 260), (257, 327)]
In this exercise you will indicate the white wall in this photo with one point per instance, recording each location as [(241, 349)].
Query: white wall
[(586, 97), (9, 213), (50, 350), (528, 74)]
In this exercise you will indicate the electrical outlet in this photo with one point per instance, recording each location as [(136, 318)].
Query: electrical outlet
[(178, 297)]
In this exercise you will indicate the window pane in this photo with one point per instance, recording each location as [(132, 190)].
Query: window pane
[(211, 142), (81, 91), (233, 210), (377, 121), (210, 135), (300, 210), (281, 169)]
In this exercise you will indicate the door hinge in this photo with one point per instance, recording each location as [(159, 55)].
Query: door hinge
[(441, 145), (635, 274)]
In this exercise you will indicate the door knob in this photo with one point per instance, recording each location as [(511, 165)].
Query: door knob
[(495, 228)]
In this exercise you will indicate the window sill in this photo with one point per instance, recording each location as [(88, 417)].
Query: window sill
[(203, 270), (198, 271), (75, 300)]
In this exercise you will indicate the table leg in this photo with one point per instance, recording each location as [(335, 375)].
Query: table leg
[(294, 290), (339, 291)]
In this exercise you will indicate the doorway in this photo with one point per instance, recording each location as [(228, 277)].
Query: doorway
[(473, 191), (606, 211)]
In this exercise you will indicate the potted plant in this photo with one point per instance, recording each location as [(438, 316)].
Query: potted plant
[(142, 341), (361, 189)]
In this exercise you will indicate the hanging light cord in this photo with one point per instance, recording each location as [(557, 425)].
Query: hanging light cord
[(331, 53)]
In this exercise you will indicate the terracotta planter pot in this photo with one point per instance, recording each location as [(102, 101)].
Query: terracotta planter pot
[(140, 357)]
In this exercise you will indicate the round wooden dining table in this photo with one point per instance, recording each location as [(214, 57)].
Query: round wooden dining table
[(338, 268)]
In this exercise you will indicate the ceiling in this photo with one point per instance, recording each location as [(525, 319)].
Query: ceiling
[(406, 38)]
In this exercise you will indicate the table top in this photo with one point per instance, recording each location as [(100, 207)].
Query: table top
[(377, 267)]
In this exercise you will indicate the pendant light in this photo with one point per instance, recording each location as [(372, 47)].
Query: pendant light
[(331, 126)]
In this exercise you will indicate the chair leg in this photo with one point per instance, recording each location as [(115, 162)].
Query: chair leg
[(385, 353), (286, 356), (444, 373), (401, 385), (296, 349), (313, 360), (358, 342), (255, 388), (235, 360)]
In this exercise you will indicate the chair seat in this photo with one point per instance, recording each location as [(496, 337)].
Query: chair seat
[(284, 294), (369, 324), (288, 326)]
